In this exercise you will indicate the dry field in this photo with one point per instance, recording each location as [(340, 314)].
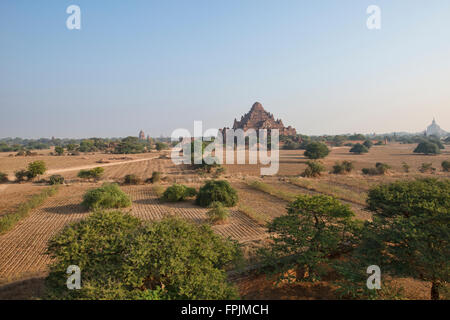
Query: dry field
[(22, 249)]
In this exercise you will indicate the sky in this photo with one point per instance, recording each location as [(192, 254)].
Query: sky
[(161, 65)]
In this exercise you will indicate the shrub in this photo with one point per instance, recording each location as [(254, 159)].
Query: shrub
[(405, 167), (156, 177), (131, 179), (108, 196), (3, 177), (344, 167), (217, 212), (178, 192), (21, 175), (359, 149), (427, 147), (380, 169), (314, 169), (445, 166), (122, 258), (161, 146), (368, 144), (316, 150), (35, 169), (427, 167), (95, 173), (56, 179), (217, 191)]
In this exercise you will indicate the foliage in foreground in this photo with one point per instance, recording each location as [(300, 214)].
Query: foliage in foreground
[(122, 258), (217, 191), (314, 229), (410, 232), (108, 196), (8, 221)]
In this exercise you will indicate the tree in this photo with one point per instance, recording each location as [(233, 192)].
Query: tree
[(130, 145), (427, 147), (314, 229), (108, 196), (217, 191), (410, 232), (344, 167), (59, 150), (35, 169), (359, 149), (56, 179), (123, 258), (131, 179), (316, 150), (95, 173)]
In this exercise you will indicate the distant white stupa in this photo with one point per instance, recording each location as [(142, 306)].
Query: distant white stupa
[(434, 130)]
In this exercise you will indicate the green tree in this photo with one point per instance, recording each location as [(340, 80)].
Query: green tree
[(122, 258), (359, 149), (95, 173), (316, 150), (427, 147), (410, 232), (178, 192), (445, 165), (59, 150), (35, 169), (161, 146), (314, 229)]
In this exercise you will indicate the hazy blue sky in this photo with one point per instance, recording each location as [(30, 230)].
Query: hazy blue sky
[(160, 65)]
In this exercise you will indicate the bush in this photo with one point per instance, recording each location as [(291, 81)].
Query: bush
[(218, 212), (314, 169), (122, 258), (21, 175), (3, 177), (316, 150), (35, 169), (445, 166), (95, 173), (380, 169), (427, 167), (427, 147), (108, 196), (217, 191), (405, 167), (156, 177), (342, 168), (56, 179), (131, 179), (161, 146), (368, 144), (359, 149), (178, 192)]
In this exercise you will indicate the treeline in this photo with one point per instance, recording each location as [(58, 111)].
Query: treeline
[(75, 146)]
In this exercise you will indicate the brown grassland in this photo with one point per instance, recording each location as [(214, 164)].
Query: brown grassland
[(23, 262)]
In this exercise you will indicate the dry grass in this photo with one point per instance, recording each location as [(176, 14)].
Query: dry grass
[(327, 188), (264, 187), (259, 217)]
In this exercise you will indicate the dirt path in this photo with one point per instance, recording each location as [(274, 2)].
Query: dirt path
[(91, 166), (3, 187)]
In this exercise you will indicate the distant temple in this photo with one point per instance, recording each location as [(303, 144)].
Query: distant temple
[(434, 130), (258, 118), (141, 135)]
